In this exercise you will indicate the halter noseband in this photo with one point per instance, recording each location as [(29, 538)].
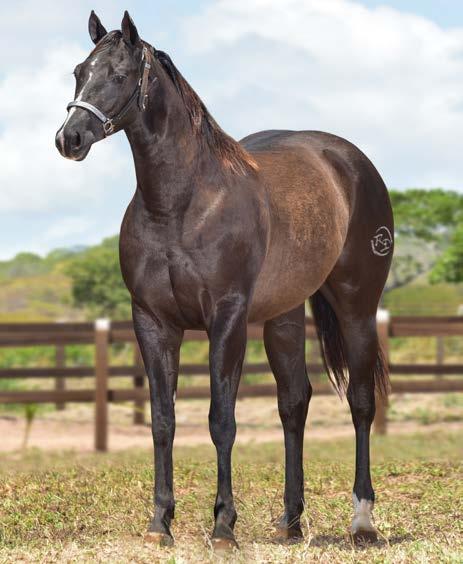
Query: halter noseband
[(140, 92)]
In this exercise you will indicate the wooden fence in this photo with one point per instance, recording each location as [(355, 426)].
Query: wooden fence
[(413, 377)]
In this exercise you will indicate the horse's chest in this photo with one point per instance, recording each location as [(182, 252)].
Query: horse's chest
[(164, 279)]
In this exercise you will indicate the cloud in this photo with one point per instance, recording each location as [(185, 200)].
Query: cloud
[(31, 29), (47, 201), (389, 81), (33, 175)]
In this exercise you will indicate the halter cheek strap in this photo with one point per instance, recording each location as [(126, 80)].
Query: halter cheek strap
[(110, 125)]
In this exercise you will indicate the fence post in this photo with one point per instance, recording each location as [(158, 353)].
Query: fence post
[(382, 322), (139, 384), (440, 352), (60, 383), (102, 328)]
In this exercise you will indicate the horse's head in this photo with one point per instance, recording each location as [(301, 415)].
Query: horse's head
[(111, 85)]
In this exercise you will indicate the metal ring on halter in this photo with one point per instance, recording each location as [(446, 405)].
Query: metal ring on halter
[(108, 127), (107, 122)]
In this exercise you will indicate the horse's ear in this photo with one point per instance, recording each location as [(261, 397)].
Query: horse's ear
[(95, 28), (129, 31)]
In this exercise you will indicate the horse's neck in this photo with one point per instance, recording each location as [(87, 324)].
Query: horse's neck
[(163, 168), (170, 159)]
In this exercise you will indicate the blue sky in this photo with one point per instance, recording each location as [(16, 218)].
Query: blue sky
[(386, 75), (446, 13)]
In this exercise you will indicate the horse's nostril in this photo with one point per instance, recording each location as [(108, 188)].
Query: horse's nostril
[(76, 140)]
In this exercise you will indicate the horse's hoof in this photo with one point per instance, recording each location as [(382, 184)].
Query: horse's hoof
[(224, 545), (365, 536), (159, 539), (288, 535)]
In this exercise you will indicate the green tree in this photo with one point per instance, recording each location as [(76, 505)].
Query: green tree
[(425, 225), (23, 264), (97, 281), (429, 215), (449, 267)]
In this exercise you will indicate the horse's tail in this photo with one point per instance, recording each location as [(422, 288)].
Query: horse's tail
[(333, 348)]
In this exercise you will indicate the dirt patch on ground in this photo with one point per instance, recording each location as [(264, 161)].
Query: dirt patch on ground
[(258, 422)]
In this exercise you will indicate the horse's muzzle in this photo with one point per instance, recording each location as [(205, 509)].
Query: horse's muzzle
[(74, 144)]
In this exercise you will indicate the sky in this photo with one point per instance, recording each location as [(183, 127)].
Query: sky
[(387, 75)]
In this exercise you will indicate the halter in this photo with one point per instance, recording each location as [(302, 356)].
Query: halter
[(140, 92)]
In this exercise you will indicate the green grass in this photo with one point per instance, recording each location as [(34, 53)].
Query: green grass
[(69, 507), (422, 298)]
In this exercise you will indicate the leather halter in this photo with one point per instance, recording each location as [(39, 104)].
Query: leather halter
[(140, 93)]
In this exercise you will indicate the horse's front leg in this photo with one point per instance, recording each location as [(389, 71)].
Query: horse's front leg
[(160, 348), (227, 335)]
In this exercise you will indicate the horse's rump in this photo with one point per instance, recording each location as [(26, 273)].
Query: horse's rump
[(309, 189)]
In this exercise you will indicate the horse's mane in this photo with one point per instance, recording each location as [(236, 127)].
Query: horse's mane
[(229, 151)]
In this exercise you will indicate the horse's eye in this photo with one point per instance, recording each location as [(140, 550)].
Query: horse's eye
[(119, 78)]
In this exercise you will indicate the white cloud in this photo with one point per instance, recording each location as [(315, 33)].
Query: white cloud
[(33, 175), (45, 200), (31, 29), (391, 82)]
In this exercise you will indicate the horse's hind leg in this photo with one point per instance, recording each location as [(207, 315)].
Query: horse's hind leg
[(284, 339), (351, 318), (361, 348)]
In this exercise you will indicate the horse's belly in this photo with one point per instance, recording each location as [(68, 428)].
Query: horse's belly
[(282, 287), (299, 259)]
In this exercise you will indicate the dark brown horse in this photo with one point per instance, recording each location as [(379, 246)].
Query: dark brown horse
[(219, 233)]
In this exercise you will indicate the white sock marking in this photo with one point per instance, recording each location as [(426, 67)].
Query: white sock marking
[(362, 516)]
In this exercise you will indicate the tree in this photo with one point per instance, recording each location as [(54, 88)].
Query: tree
[(97, 281), (425, 224), (428, 215), (449, 267)]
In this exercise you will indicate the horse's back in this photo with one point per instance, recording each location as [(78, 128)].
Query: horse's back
[(348, 165), (318, 185)]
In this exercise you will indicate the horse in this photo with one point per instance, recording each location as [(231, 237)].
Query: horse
[(220, 233)]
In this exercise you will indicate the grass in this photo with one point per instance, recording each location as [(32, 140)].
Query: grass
[(422, 298), (70, 507)]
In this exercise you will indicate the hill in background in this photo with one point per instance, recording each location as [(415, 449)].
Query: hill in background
[(34, 288)]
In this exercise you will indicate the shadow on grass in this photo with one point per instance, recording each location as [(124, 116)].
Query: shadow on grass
[(345, 541), (401, 538), (329, 540)]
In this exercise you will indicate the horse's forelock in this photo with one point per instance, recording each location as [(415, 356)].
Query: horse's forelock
[(107, 41)]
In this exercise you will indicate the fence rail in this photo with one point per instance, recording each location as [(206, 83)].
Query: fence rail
[(103, 333)]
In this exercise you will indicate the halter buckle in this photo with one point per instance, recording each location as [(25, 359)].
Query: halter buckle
[(108, 127)]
